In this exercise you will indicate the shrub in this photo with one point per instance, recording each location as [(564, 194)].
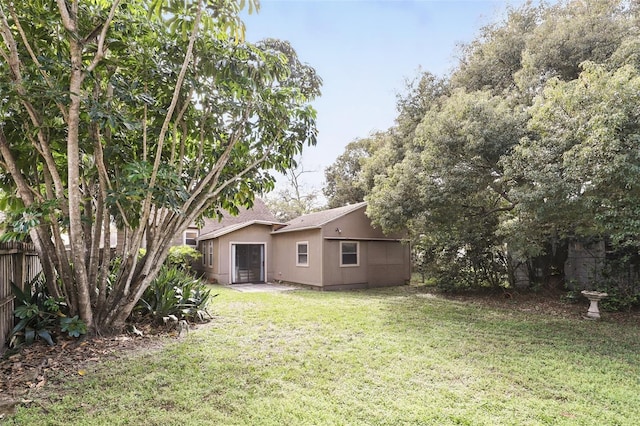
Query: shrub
[(175, 292), (182, 257), (621, 281), (39, 315)]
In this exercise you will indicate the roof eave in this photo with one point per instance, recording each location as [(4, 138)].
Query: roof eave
[(305, 228), (236, 227)]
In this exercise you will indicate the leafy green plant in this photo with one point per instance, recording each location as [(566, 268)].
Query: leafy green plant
[(175, 292), (37, 313), (40, 314), (621, 281), (182, 257), (73, 326)]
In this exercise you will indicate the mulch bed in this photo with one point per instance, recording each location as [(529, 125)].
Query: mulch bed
[(28, 370), (549, 302)]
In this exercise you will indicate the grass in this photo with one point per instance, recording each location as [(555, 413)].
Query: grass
[(385, 357)]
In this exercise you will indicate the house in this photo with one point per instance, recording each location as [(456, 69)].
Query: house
[(238, 249), (329, 250)]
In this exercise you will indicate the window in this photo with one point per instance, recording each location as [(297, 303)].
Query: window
[(349, 253), (190, 238), (210, 253), (302, 253)]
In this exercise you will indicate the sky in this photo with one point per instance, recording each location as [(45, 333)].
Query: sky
[(364, 51)]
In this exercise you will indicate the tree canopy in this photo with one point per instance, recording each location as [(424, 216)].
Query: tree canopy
[(532, 138), (146, 115)]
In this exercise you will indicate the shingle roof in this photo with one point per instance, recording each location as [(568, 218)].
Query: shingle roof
[(318, 219), (259, 213)]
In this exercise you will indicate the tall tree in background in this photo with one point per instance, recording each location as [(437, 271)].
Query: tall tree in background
[(295, 199), (353, 174), (491, 61), (343, 184), (453, 187), (569, 34), (531, 139), (579, 169), (149, 114)]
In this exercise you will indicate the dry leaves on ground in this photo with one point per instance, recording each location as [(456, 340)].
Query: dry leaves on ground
[(31, 368)]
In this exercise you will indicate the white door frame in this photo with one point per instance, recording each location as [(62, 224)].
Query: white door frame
[(232, 258)]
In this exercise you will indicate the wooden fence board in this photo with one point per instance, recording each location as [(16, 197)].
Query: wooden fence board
[(19, 264)]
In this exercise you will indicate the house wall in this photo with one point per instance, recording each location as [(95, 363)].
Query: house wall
[(356, 225), (380, 264), (178, 239), (286, 269), (338, 277), (388, 263), (202, 265), (257, 234), (383, 261)]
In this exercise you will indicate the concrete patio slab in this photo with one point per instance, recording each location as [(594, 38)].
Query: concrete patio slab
[(262, 288)]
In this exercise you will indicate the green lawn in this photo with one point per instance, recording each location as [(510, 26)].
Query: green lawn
[(384, 357)]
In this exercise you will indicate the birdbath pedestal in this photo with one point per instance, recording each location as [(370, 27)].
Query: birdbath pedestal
[(594, 297)]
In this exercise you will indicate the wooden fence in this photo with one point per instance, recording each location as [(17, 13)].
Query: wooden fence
[(19, 263)]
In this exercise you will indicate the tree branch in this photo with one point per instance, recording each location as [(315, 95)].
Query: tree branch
[(35, 60), (101, 51)]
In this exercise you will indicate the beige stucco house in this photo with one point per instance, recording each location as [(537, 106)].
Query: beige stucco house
[(329, 250)]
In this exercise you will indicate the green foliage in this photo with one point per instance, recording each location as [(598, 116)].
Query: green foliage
[(353, 175), (342, 177), (174, 292), (182, 257), (150, 113), (473, 262), (620, 279), (39, 315), (531, 141), (73, 326), (491, 61), (451, 188), (577, 173)]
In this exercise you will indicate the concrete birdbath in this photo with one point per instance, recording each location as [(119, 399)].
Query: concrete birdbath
[(594, 297)]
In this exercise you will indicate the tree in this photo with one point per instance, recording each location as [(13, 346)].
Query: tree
[(352, 176), (342, 185), (523, 150), (143, 114), (577, 173), (491, 61), (295, 199), (569, 34), (452, 193)]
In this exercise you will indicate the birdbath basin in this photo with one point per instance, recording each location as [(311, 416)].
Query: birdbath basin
[(594, 297)]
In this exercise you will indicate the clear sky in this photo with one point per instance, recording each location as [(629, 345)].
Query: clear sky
[(364, 50)]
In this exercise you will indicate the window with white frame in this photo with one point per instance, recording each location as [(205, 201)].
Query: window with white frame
[(349, 253), (191, 238), (302, 253), (210, 253)]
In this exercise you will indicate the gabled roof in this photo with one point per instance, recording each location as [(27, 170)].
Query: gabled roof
[(258, 214), (319, 219)]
